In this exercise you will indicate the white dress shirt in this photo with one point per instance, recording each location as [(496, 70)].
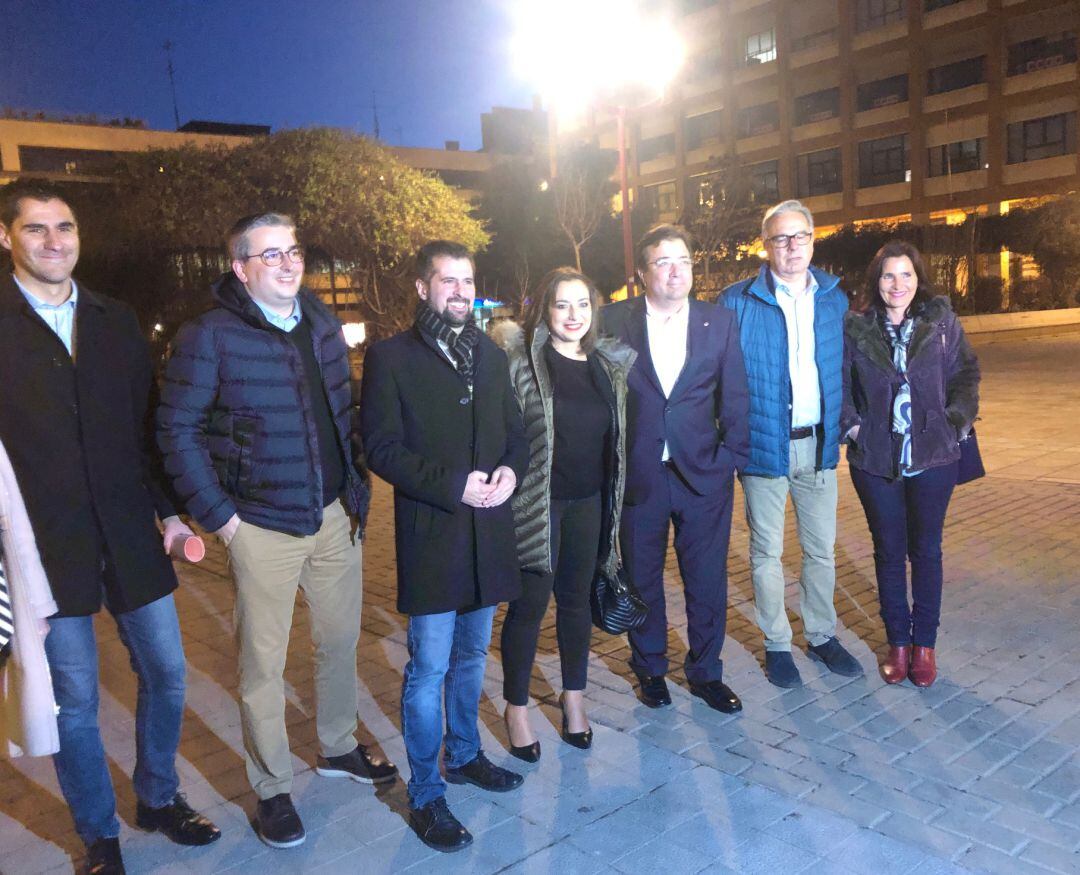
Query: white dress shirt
[(799, 316), (667, 347), (59, 317)]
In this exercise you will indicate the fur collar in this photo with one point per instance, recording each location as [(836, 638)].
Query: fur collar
[(864, 330)]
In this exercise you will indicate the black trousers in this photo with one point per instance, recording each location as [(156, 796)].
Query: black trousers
[(575, 545)]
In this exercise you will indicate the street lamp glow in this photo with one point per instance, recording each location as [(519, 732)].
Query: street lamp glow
[(577, 51)]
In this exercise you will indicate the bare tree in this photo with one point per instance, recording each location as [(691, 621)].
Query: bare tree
[(583, 190)]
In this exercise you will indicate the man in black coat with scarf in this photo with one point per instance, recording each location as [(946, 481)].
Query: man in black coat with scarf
[(74, 418), (441, 425)]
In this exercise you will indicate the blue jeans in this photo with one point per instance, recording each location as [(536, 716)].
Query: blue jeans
[(906, 517), (445, 650), (152, 637)]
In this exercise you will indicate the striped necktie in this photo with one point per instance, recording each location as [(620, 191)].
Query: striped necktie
[(7, 622)]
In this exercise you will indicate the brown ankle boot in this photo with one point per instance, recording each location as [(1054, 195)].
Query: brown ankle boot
[(895, 667), (923, 670)]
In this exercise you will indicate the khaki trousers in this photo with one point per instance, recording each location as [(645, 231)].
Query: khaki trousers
[(267, 568), (814, 495)]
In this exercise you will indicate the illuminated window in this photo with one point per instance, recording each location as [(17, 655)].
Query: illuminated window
[(761, 47)]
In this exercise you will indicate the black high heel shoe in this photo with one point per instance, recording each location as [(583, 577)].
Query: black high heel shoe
[(580, 740), (529, 753)]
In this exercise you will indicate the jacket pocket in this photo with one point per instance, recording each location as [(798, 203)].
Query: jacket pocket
[(240, 454)]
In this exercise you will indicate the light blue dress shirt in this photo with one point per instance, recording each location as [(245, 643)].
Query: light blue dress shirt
[(285, 323), (59, 317), (802, 357)]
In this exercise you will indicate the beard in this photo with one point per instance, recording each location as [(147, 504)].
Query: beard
[(452, 319)]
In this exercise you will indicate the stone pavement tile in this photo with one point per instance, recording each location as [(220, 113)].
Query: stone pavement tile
[(829, 797), (898, 801), (1069, 815), (764, 855), (681, 738), (822, 774), (874, 854), (993, 834), (1044, 755), (1021, 733), (818, 752), (778, 779), (888, 774), (1052, 857), (1062, 782), (558, 858), (661, 854), (812, 828), (1049, 831), (880, 751), (980, 858), (40, 857), (986, 756), (612, 836), (926, 836), (1028, 799), (508, 843), (929, 766), (718, 757), (804, 725), (762, 753)]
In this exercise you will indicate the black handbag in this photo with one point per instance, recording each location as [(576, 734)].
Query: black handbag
[(971, 463), (616, 605)]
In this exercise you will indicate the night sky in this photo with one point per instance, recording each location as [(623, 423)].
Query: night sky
[(431, 66)]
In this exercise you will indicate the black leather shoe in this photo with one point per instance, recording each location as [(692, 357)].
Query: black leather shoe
[(718, 696), (437, 828), (485, 775), (277, 822), (103, 858), (529, 753), (580, 740), (654, 692), (357, 765), (178, 821)]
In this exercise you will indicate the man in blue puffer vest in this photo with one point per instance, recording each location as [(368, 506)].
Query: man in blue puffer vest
[(256, 429), (791, 324)]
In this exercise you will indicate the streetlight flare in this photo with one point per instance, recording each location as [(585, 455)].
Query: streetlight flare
[(575, 52)]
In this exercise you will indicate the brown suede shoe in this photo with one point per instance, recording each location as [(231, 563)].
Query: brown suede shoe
[(923, 670), (895, 667)]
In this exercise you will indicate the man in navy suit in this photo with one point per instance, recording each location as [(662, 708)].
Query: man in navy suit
[(687, 434)]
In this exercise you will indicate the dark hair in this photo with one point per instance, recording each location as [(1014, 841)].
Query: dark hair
[(33, 189), (544, 295), (425, 257), (896, 249), (237, 236), (658, 234)]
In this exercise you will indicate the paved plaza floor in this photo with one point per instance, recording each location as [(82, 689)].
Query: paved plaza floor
[(979, 773)]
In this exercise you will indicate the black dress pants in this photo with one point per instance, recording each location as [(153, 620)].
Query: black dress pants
[(575, 546)]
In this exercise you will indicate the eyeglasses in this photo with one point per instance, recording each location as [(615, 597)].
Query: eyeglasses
[(274, 257), (783, 241), (665, 263)]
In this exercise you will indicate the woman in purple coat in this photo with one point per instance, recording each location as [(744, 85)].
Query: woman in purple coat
[(911, 393)]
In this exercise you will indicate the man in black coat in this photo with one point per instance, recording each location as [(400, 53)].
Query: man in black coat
[(687, 433), (74, 418), (441, 425)]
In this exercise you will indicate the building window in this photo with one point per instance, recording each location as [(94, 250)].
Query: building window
[(656, 147), (1042, 53), (704, 65), (761, 119), (1042, 138), (761, 47), (765, 181), (951, 77), (824, 37), (960, 157), (877, 13), (931, 5), (817, 107), (50, 159), (701, 130), (818, 173), (882, 92), (660, 201), (884, 161)]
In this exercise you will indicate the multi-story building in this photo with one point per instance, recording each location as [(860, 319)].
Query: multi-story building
[(864, 109)]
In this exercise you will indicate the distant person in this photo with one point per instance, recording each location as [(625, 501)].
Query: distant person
[(256, 424), (441, 425), (571, 386), (687, 435), (911, 394), (791, 322), (503, 331), (75, 419)]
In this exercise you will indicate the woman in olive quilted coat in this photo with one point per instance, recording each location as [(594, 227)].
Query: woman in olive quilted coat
[(571, 385)]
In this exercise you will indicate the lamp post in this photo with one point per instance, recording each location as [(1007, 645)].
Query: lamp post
[(577, 74)]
